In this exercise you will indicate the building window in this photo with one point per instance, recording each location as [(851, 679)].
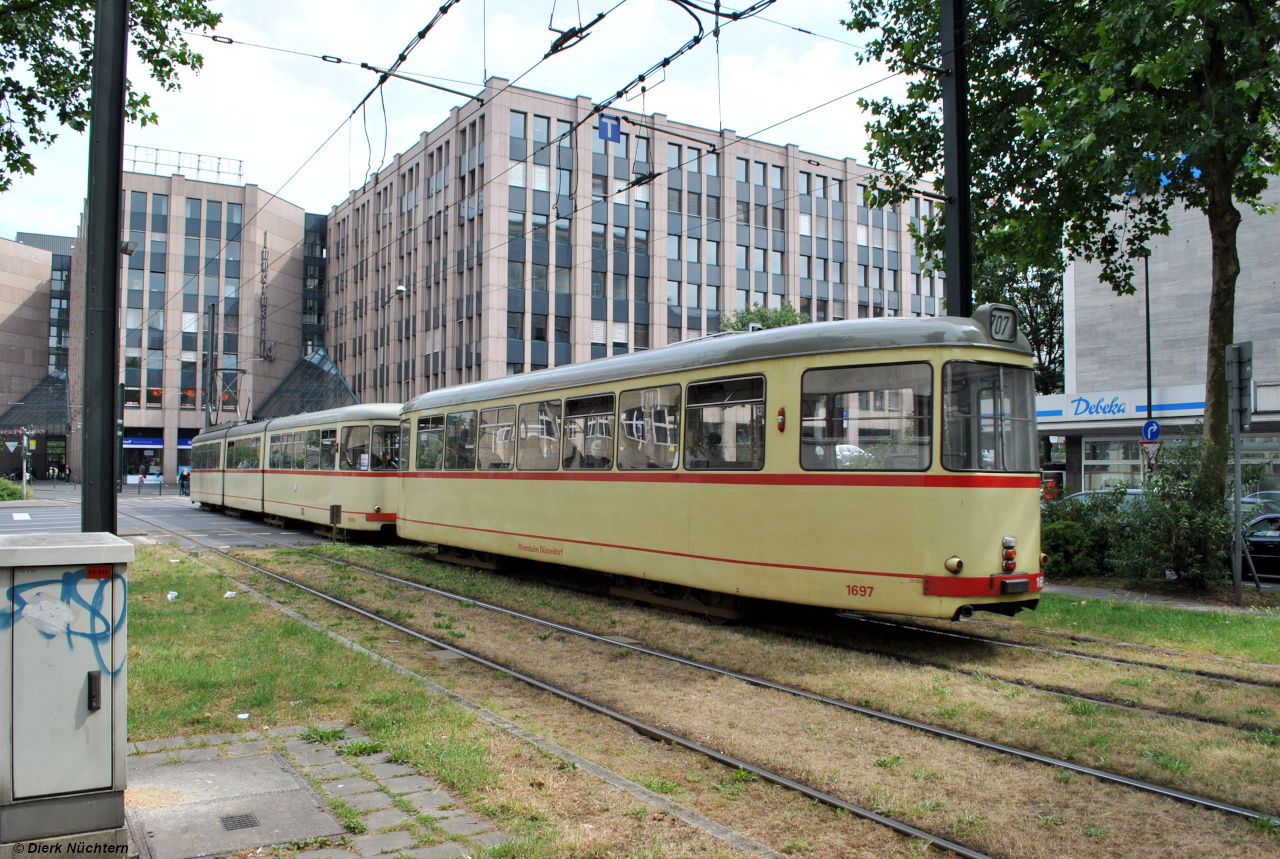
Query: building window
[(673, 157), (743, 166), (518, 124)]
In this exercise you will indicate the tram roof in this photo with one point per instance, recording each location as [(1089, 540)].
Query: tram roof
[(367, 412), (820, 338)]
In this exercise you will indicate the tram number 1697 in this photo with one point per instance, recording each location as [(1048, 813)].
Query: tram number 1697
[(859, 590)]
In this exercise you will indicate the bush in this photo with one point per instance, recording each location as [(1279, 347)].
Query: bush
[(10, 491), (1180, 524), (1070, 547)]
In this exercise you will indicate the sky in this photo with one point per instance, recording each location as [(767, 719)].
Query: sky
[(273, 110)]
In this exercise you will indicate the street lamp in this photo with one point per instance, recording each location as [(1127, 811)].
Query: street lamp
[(1146, 278)]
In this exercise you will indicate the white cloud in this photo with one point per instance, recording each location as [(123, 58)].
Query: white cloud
[(273, 110)]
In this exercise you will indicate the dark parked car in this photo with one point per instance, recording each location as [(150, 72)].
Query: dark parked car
[(1262, 536)]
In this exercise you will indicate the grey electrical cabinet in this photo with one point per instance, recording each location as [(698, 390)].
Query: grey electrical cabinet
[(62, 661)]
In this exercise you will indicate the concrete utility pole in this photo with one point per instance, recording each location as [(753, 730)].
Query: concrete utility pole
[(102, 267), (955, 149)]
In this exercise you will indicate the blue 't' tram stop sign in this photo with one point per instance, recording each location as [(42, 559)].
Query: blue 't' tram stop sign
[(1151, 431), (610, 128)]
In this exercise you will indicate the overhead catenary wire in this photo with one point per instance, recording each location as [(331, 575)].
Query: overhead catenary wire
[(400, 59)]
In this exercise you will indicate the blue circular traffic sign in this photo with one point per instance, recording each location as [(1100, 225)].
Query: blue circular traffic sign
[(1150, 431)]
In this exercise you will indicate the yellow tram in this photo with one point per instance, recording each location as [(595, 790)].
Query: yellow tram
[(341, 463), (884, 465)]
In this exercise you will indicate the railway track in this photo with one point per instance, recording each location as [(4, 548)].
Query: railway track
[(638, 725), (1206, 675), (1111, 642), (759, 682)]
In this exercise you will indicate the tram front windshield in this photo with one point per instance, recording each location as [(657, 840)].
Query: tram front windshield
[(988, 417)]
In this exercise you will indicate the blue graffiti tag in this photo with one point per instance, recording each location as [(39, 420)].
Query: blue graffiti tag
[(100, 629)]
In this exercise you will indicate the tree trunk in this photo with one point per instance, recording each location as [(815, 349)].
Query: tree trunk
[(1224, 221)]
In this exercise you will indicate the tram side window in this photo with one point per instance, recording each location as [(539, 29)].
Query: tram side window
[(538, 444), (355, 448), (872, 418), (275, 458), (311, 450), (588, 432), (207, 456), (724, 424), (988, 417), (406, 445), (297, 451), (386, 448), (649, 432), (497, 447), (430, 443), (460, 441), (328, 449), (243, 453)]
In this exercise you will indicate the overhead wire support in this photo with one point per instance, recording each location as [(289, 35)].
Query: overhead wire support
[(387, 73), (572, 36)]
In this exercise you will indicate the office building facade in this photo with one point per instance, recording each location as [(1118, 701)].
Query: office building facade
[(203, 252), (35, 311), (514, 236), (1100, 417)]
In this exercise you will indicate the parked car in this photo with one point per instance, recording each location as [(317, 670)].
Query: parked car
[(1259, 503), (1262, 537), (1131, 496)]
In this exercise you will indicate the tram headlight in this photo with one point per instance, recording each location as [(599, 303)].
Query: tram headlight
[(953, 564)]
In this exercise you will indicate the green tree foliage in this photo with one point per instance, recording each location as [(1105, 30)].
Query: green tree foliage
[(46, 67), (764, 316), (1037, 293), (1089, 121)]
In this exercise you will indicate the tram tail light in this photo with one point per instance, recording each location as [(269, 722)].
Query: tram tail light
[(782, 419), (1044, 560), (1009, 554)]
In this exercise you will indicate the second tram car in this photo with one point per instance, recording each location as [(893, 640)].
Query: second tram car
[(884, 465), (304, 466)]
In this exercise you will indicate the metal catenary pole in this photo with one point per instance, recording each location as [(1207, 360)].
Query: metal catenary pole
[(102, 266), (955, 145)]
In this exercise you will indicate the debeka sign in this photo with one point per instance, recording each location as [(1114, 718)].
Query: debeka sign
[(1103, 406)]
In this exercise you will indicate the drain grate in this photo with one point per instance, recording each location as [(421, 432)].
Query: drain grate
[(238, 821)]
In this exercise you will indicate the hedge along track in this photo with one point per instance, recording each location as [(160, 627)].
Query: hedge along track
[(933, 730), (637, 725)]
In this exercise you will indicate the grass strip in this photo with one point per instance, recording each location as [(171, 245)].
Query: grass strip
[(199, 661)]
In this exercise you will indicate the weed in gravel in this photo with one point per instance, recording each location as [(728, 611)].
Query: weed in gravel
[(322, 735), (360, 748), (661, 785), (1064, 776), (792, 847), (1266, 825), (545, 634), (1256, 711), (1050, 819), (1082, 708), (923, 774), (946, 712), (966, 823), (889, 763), (1166, 762), (1094, 831), (1265, 737), (349, 816)]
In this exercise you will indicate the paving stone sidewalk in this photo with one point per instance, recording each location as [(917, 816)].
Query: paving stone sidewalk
[(403, 812)]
